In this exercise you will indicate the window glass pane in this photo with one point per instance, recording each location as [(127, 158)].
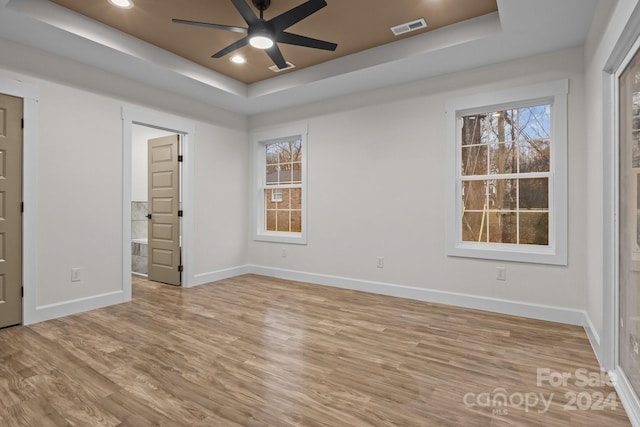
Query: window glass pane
[(270, 200), (272, 154), (272, 174), (474, 160), (271, 220), (287, 151), (534, 122), (474, 195), (285, 173), (503, 227), (472, 129), (283, 221), (280, 158), (275, 199), (534, 193), (534, 228), (296, 198), (296, 150), (509, 141), (534, 155), (502, 158), (472, 224), (490, 129), (284, 204), (499, 126), (503, 194), (283, 210), (297, 173), (296, 221)]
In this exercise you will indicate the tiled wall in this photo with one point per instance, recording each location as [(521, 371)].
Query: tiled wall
[(139, 231), (139, 220)]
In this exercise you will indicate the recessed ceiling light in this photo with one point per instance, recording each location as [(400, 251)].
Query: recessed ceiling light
[(238, 59), (124, 4)]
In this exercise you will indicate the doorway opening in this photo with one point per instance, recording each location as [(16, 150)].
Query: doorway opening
[(156, 204), (152, 217)]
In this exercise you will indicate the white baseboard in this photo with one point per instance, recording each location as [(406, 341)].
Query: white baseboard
[(592, 334), (53, 311), (514, 308), (626, 395), (213, 276)]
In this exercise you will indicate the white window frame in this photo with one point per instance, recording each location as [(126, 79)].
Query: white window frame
[(553, 93), (260, 140)]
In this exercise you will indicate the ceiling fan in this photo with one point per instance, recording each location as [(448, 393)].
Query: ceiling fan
[(264, 34)]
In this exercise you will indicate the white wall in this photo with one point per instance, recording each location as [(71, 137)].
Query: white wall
[(79, 193), (221, 205), (80, 178), (376, 172)]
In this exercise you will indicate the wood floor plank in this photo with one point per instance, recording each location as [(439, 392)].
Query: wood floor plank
[(257, 351)]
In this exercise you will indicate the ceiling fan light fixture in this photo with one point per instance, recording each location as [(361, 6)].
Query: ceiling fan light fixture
[(123, 4), (261, 41)]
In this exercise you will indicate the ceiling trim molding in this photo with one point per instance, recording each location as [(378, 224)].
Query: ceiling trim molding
[(470, 44)]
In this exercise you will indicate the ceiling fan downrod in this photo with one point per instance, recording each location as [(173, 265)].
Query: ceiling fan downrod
[(261, 5)]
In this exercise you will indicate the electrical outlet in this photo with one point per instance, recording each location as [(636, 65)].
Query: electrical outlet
[(380, 262), (75, 274), (284, 252), (501, 273)]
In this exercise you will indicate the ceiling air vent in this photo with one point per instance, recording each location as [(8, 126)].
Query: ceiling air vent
[(275, 68), (409, 26)]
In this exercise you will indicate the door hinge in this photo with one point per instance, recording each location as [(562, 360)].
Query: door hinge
[(22, 291), (21, 207), (180, 212), (22, 123), (180, 268), (180, 157)]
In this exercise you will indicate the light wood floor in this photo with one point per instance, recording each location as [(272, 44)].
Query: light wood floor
[(255, 351)]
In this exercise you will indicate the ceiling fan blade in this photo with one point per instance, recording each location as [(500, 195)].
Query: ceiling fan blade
[(246, 12), (276, 56), (298, 13), (208, 25), (233, 46), (298, 40)]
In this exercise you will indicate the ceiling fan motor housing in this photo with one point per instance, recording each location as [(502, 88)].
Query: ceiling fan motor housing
[(262, 28), (261, 4)]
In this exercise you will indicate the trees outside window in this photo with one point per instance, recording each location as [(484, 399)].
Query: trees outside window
[(280, 171), (507, 153), (505, 176), (283, 189)]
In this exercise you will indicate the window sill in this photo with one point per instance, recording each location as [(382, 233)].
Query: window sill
[(506, 252), (293, 238)]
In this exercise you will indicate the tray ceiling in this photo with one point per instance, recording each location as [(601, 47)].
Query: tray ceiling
[(354, 25)]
